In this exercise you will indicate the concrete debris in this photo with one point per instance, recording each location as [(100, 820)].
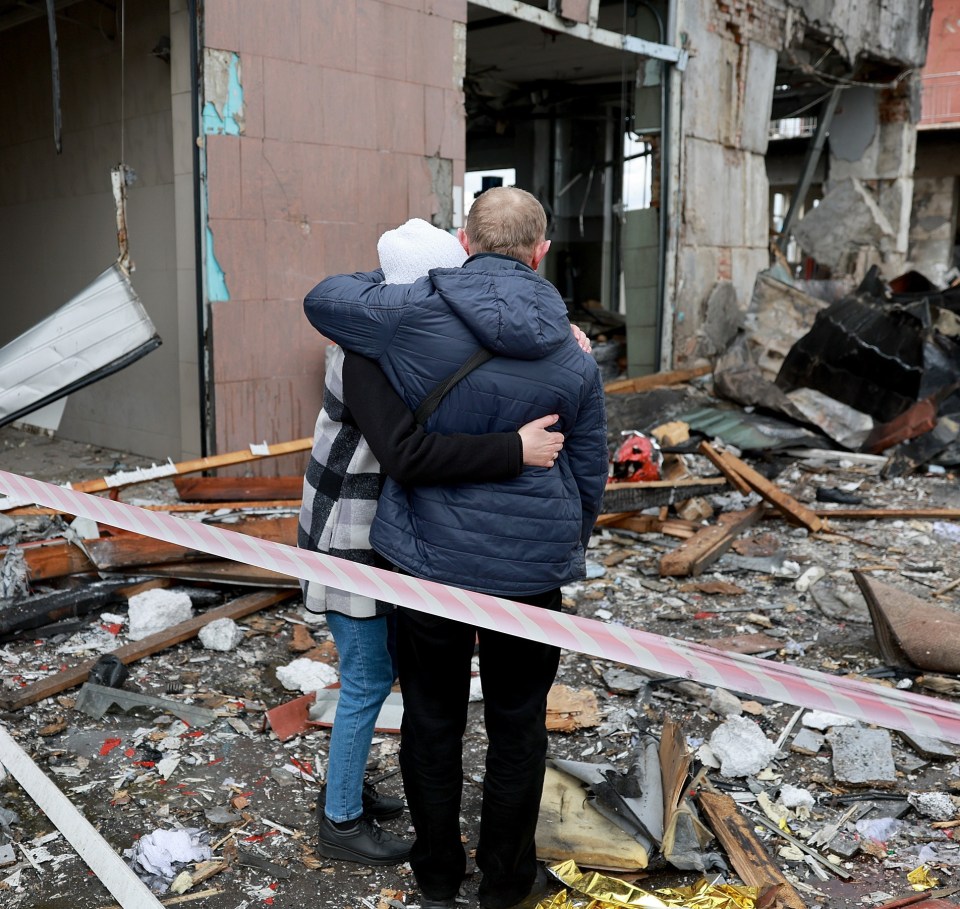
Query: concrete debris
[(157, 609), (781, 592), (862, 757), (936, 805), (847, 218), (221, 634), (742, 747), (306, 675)]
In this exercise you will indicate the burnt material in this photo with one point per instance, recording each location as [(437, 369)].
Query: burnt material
[(866, 355)]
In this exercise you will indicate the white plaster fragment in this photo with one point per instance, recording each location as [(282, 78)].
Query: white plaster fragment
[(222, 634), (742, 747), (155, 610), (306, 675)]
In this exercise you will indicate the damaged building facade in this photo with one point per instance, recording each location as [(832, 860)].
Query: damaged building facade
[(269, 144)]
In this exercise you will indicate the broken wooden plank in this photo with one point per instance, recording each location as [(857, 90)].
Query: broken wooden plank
[(180, 507), (136, 650), (652, 493), (34, 612), (111, 870), (701, 550), (903, 514), (220, 571), (657, 380), (749, 859), (197, 465), (648, 523), (788, 506), (733, 478), (239, 489), (131, 550), (55, 559)]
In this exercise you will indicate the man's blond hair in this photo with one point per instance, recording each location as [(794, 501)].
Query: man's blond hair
[(506, 220)]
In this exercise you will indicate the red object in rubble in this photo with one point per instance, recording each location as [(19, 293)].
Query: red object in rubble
[(637, 459)]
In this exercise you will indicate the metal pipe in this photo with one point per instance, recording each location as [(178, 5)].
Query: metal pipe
[(814, 151), (669, 134), (202, 357), (55, 74)]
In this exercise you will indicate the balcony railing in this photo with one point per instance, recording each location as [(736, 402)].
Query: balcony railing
[(940, 100), (792, 128)]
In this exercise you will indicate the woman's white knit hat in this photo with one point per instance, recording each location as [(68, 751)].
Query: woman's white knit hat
[(409, 251)]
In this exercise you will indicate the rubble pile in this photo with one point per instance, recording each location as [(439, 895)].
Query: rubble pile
[(193, 737)]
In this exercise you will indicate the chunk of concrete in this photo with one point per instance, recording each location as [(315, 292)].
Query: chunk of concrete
[(742, 747), (862, 757), (806, 741), (306, 675), (847, 218), (222, 635), (157, 609)]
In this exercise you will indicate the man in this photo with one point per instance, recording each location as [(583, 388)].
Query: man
[(520, 538)]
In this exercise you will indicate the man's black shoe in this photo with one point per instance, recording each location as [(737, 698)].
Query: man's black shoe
[(541, 884), (427, 903), (380, 807), (376, 806), (364, 842)]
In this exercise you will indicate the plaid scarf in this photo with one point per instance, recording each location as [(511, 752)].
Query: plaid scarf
[(340, 492)]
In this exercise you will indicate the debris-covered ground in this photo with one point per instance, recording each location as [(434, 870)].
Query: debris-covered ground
[(878, 808)]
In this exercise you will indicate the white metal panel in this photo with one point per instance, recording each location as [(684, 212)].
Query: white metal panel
[(102, 329)]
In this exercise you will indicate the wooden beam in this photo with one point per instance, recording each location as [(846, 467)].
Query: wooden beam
[(219, 571), (239, 489), (906, 514), (131, 551), (717, 459), (648, 523), (657, 380), (692, 556), (137, 650), (184, 507), (227, 459), (55, 559), (746, 853), (788, 506)]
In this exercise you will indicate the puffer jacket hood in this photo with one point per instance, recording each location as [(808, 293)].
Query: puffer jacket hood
[(512, 311)]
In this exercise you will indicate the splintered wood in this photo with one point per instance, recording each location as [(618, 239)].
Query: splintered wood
[(696, 554), (788, 506), (747, 855)]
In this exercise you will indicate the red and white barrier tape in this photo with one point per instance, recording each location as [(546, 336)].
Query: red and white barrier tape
[(887, 707)]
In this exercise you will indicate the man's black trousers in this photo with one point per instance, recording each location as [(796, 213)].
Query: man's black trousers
[(516, 674)]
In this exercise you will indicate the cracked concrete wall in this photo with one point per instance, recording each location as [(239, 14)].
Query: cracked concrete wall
[(325, 124), (933, 226), (891, 30), (722, 225), (723, 230)]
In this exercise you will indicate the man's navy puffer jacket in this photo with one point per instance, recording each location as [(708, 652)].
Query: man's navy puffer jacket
[(521, 536)]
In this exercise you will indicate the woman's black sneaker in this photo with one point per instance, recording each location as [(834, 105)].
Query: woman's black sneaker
[(362, 842)]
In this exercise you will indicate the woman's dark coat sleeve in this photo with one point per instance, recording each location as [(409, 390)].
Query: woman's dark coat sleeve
[(412, 456)]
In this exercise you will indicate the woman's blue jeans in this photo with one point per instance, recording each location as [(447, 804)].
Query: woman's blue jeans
[(366, 676)]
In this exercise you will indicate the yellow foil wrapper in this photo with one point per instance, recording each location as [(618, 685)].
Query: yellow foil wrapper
[(605, 892), (921, 879)]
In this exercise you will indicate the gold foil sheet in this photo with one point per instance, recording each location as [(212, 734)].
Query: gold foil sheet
[(592, 890)]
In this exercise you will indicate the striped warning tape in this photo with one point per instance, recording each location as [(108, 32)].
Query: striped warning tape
[(876, 704)]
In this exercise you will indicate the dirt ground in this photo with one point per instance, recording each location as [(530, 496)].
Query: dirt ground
[(107, 767)]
